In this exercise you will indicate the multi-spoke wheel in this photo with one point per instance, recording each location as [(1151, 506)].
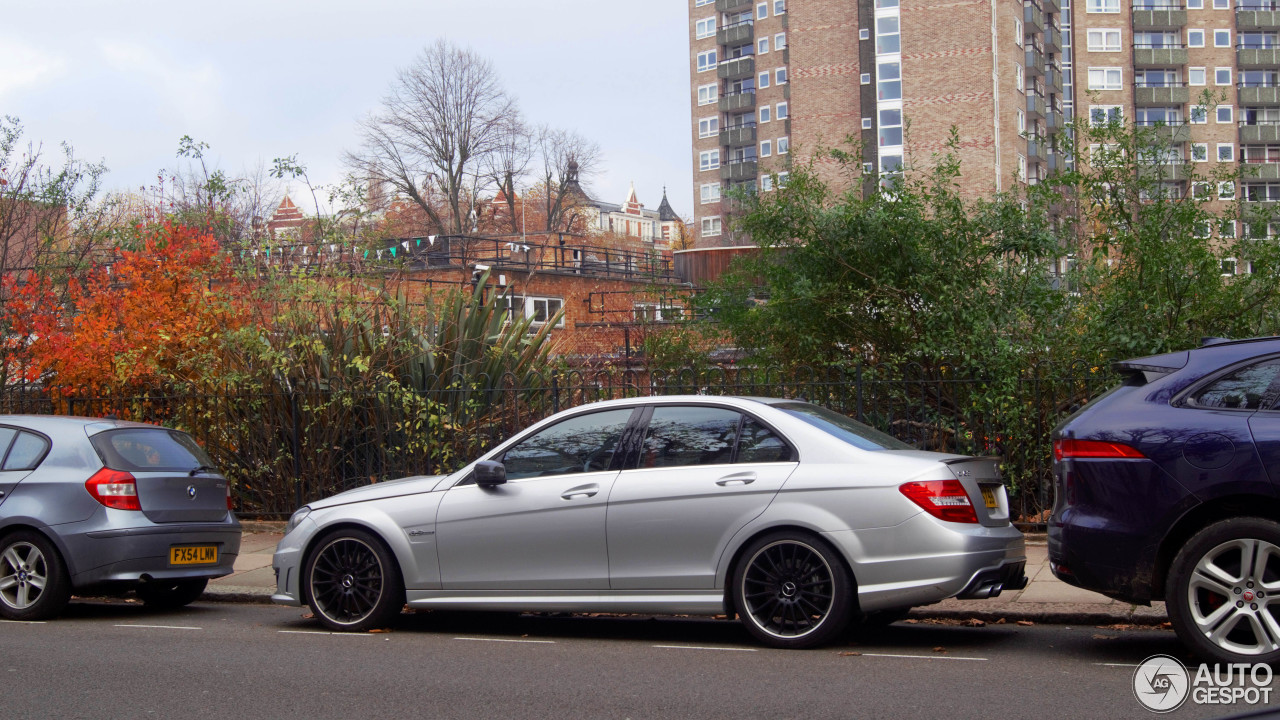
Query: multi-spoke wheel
[(792, 590), (352, 581), (33, 580), (1223, 592)]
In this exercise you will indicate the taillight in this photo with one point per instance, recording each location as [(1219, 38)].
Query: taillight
[(114, 489), (1070, 448), (229, 496), (943, 499)]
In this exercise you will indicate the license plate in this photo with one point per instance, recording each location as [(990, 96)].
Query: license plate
[(989, 497), (193, 555)]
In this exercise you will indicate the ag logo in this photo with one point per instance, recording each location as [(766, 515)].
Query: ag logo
[(1161, 684)]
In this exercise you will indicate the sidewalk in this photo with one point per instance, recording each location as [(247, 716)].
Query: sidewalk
[(1045, 599)]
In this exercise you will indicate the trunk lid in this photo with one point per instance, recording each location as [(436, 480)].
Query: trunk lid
[(980, 477), (176, 481)]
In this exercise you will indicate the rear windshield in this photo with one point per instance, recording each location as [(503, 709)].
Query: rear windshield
[(847, 429), (149, 450)]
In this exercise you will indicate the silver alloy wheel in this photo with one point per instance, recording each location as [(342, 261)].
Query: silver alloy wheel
[(788, 589), (1234, 596), (346, 580), (23, 575)]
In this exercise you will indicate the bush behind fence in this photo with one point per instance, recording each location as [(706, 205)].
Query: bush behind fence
[(283, 449)]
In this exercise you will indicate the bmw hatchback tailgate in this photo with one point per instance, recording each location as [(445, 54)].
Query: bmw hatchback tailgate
[(169, 497), (175, 480)]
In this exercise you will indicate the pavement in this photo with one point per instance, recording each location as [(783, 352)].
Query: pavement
[(1046, 599)]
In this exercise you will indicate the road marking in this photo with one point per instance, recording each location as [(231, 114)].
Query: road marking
[(699, 647), (323, 632), (507, 640), (162, 627), (24, 622), (923, 657)]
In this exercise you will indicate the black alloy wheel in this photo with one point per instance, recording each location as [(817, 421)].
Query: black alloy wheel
[(792, 591), (352, 582)]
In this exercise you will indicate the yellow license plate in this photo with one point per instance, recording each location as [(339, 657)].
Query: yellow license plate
[(989, 497), (193, 555)]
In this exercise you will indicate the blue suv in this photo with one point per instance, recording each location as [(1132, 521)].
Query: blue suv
[(1166, 488)]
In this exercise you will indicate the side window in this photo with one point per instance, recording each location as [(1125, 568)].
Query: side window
[(585, 443), (759, 444), (682, 436), (27, 452), (6, 437), (1248, 388)]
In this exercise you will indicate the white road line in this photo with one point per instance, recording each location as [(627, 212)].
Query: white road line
[(322, 632), (23, 622), (162, 627), (507, 640), (699, 647), (924, 657)]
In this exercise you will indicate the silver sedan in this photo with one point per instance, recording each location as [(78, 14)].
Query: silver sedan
[(792, 517)]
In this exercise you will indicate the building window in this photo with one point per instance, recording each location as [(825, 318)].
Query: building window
[(1017, 32), (784, 145), (700, 3), (762, 46), (1102, 6), (1229, 264), (1195, 4), (1195, 38), (1022, 167), (1223, 115), (1100, 115), (1222, 38), (1195, 76), (763, 79), (710, 226), (780, 76), (708, 94), (1199, 115), (779, 7), (1227, 191), (1200, 152), (890, 130), (766, 114), (1022, 122), (780, 41), (1222, 4), (708, 127), (709, 160), (783, 177), (865, 78), (781, 111), (864, 34), (1103, 40), (1019, 78), (1105, 78), (866, 123), (766, 148), (705, 28), (1222, 76), (707, 60), (890, 81), (541, 309), (766, 183), (762, 12), (710, 192), (1226, 152)]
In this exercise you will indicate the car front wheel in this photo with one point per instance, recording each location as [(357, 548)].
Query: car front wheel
[(33, 580), (352, 582), (1223, 593), (792, 591)]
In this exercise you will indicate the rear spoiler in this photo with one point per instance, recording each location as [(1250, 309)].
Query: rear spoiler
[(1152, 367)]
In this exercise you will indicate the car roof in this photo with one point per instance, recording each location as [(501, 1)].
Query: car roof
[(49, 424)]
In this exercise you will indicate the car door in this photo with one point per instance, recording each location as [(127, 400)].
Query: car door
[(544, 529), (702, 473), (20, 452)]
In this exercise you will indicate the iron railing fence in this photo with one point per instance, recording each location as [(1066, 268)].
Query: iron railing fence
[(285, 448)]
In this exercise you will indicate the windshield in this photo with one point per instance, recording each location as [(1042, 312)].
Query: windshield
[(863, 437)]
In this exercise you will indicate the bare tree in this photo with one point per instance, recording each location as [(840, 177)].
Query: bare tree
[(568, 160), (443, 115), (509, 163)]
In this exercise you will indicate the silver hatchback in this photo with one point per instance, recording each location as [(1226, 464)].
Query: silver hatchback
[(795, 518), (103, 505)]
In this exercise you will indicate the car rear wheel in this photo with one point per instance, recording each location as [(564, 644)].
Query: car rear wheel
[(352, 582), (167, 594), (33, 580), (1223, 593), (792, 591)]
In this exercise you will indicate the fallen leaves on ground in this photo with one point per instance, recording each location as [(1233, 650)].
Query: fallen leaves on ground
[(1025, 623), (1118, 626), (308, 616), (376, 631), (974, 622), (849, 654), (1099, 636), (940, 649)]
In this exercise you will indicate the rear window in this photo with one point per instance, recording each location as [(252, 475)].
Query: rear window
[(863, 437), (149, 450)]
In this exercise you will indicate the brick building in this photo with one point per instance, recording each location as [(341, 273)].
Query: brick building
[(769, 77)]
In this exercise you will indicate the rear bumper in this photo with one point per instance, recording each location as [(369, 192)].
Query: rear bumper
[(127, 555), (1094, 555)]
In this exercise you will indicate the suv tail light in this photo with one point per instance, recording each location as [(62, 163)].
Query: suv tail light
[(943, 499), (229, 496), (114, 489), (1071, 448)]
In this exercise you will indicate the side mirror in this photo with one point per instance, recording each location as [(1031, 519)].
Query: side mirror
[(490, 473)]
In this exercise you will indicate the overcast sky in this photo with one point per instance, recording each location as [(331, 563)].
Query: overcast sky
[(123, 80)]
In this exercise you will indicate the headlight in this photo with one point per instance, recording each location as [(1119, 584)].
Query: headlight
[(297, 518)]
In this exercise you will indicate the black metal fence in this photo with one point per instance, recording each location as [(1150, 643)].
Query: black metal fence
[(283, 449)]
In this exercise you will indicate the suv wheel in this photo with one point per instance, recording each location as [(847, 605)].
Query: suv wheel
[(1223, 592)]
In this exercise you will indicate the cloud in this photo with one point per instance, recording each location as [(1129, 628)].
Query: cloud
[(25, 66), (192, 92)]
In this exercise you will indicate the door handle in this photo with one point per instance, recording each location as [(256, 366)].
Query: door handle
[(582, 491), (742, 478)]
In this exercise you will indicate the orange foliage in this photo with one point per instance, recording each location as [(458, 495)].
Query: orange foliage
[(148, 318)]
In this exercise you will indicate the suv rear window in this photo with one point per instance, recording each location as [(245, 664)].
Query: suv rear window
[(149, 450)]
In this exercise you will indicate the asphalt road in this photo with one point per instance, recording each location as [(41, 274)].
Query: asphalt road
[(119, 660)]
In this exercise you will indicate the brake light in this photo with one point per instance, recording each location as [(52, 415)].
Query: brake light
[(1073, 449), (943, 499), (229, 496), (114, 489)]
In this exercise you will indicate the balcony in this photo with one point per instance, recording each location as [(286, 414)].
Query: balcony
[(1167, 55), (1035, 105), (738, 171), (1050, 6), (1034, 61), (1166, 94), (739, 136), (1054, 122), (1053, 40), (1176, 170), (1257, 57), (735, 101), (1258, 95), (1265, 133), (1265, 171), (1159, 19), (1036, 149), (1053, 80), (738, 33), (745, 67), (732, 5), (1257, 15), (1032, 19)]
